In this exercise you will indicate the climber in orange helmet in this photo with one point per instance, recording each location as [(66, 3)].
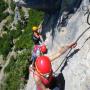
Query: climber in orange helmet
[(43, 73), (37, 37)]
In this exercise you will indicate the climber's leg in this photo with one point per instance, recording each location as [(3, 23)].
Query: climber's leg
[(60, 81)]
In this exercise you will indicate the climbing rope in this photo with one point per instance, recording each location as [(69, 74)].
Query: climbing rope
[(85, 42), (66, 57), (88, 17)]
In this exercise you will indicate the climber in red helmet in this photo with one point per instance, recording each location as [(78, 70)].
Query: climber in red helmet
[(37, 51), (43, 73), (43, 49)]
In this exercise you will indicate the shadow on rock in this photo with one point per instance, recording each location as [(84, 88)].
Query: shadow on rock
[(60, 17), (59, 83)]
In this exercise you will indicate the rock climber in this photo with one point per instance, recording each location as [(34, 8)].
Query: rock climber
[(38, 50), (42, 71), (37, 37), (38, 46)]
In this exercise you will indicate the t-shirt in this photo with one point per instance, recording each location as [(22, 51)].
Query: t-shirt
[(35, 52)]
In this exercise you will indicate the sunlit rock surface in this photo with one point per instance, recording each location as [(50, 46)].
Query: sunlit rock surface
[(62, 28)]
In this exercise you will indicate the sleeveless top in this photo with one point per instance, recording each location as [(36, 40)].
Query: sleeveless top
[(35, 39)]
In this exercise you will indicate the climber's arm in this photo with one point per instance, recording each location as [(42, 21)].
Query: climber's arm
[(62, 50), (39, 84), (35, 75), (36, 35), (40, 28)]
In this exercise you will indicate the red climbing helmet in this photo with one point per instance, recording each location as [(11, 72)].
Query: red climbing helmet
[(43, 49), (43, 65)]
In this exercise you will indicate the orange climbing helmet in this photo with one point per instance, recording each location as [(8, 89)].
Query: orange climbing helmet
[(43, 65), (34, 28), (43, 49)]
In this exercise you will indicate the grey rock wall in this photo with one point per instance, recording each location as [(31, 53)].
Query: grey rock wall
[(76, 69)]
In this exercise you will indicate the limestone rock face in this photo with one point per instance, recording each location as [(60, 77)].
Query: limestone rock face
[(62, 28)]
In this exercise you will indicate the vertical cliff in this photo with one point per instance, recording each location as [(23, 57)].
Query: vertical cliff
[(70, 23)]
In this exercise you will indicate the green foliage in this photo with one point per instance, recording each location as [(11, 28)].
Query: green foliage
[(6, 42), (12, 61), (12, 5), (35, 18), (25, 40), (15, 33), (3, 6), (17, 69), (5, 28), (3, 15), (21, 12), (5, 45)]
